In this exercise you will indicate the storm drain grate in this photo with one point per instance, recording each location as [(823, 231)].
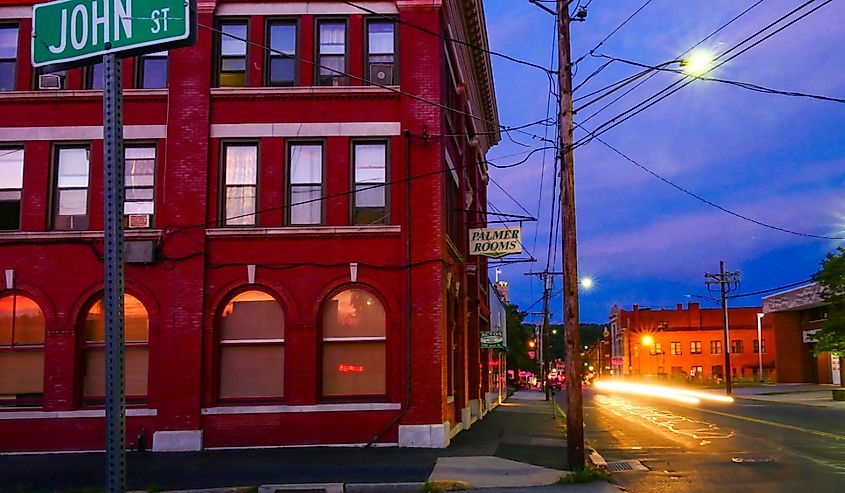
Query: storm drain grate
[(626, 465)]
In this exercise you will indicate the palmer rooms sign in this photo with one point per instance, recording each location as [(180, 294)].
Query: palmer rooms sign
[(495, 242)]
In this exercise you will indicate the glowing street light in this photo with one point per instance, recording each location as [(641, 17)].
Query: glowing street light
[(698, 63), (587, 282), (647, 340)]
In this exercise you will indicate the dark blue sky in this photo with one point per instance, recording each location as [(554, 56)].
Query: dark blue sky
[(779, 160)]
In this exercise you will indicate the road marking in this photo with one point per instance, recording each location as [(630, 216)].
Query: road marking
[(775, 423)]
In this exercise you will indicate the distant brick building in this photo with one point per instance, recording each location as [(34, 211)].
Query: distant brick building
[(796, 315), (298, 270), (688, 342)]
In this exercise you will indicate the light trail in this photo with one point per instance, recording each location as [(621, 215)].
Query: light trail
[(677, 394)]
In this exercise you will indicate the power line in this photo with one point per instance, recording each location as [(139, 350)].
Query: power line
[(771, 290), (620, 26), (743, 85), (651, 101), (710, 203), (715, 32), (446, 38)]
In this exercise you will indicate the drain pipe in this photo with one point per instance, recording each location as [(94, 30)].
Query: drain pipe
[(407, 404)]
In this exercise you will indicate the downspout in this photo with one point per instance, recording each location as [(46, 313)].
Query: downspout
[(407, 404)]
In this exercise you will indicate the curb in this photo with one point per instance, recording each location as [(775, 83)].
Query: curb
[(384, 487), (596, 459)]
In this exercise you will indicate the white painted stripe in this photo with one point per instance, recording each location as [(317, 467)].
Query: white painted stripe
[(86, 413), (301, 8), (236, 342), (15, 12), (314, 230), (90, 132), (319, 408), (334, 129), (312, 445), (354, 339)]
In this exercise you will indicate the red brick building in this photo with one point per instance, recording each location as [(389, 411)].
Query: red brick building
[(689, 343), (297, 268)]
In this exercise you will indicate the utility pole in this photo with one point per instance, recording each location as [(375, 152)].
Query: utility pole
[(574, 403), (725, 280), (545, 340)]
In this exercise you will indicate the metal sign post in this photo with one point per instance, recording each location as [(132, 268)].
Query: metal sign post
[(113, 184)]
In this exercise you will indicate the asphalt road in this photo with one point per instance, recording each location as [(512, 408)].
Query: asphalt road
[(686, 448)]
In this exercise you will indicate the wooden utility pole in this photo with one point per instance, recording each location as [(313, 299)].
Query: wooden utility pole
[(574, 403), (725, 280), (545, 340)]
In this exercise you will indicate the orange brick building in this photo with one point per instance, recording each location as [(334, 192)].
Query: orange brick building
[(689, 343)]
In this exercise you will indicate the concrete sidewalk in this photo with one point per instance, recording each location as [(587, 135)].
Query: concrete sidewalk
[(518, 444), (806, 394)]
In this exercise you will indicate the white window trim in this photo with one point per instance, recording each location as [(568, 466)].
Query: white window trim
[(354, 339), (319, 408), (248, 342)]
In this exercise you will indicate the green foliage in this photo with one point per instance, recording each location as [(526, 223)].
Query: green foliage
[(518, 336), (831, 277), (590, 334), (587, 475)]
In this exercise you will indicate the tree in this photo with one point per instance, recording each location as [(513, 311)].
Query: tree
[(831, 336), (518, 336)]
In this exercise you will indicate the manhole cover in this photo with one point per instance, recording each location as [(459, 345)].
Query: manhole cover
[(626, 465), (751, 460)]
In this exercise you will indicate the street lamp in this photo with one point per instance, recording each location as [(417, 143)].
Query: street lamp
[(647, 341), (698, 63)]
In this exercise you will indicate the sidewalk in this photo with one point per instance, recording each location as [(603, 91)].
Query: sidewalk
[(806, 394), (518, 444)]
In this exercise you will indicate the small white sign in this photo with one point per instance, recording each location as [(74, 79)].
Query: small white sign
[(809, 336), (495, 242)]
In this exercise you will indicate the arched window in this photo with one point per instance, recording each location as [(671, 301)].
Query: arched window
[(136, 340), (354, 345), (252, 347), (21, 350)]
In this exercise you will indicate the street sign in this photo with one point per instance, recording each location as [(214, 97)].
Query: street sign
[(71, 32), (492, 340), (495, 242)]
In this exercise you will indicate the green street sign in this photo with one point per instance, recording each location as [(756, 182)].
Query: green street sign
[(70, 32)]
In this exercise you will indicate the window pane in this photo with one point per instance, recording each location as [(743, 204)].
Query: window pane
[(370, 163), (380, 37), (283, 38), (332, 38), (136, 321), (73, 168), (6, 317), (155, 71), (8, 41), (354, 313), (11, 169), (370, 215), (332, 66), (252, 315), (73, 202), (232, 46), (282, 70), (234, 65), (240, 206), (21, 372), (306, 205), (241, 165), (29, 322), (252, 371), (369, 196), (306, 164), (137, 372), (7, 75), (354, 368), (138, 208), (95, 76)]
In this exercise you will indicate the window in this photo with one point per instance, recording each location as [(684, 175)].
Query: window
[(695, 347), (663, 324), (354, 344), (240, 185), (139, 206), (70, 210), (306, 184), (11, 187), (717, 371), (22, 329), (252, 347), (675, 348), (332, 53), (736, 346), (136, 341), (696, 372), (677, 371), (757, 346), (452, 201), (93, 77), (232, 62), (715, 347), (8, 55), (381, 49), (657, 349), (152, 71), (370, 177), (282, 69)]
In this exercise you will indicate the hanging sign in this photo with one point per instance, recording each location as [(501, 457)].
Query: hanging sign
[(492, 340), (495, 242)]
